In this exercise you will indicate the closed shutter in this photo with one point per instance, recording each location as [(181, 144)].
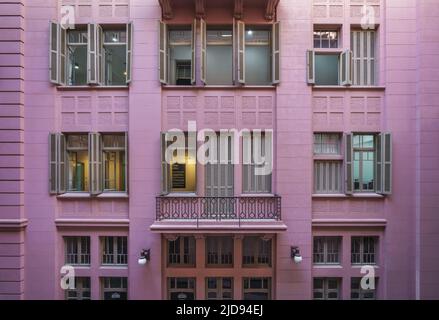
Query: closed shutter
[(163, 52), (62, 56), (327, 177), (203, 31), (241, 51), (92, 54), (62, 163), (126, 166), (193, 46), (345, 68), (95, 158), (129, 58), (387, 163), (379, 164), (310, 67), (276, 52), (349, 186)]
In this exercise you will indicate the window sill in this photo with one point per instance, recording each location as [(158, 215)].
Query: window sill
[(179, 194), (328, 157), (74, 88), (252, 195), (358, 266), (114, 266), (342, 195), (327, 266), (317, 87), (74, 195), (225, 87), (111, 195)]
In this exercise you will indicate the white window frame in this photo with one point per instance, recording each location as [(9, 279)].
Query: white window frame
[(82, 254), (119, 246), (115, 149), (190, 288)]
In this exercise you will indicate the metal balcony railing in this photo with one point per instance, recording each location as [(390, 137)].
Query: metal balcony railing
[(218, 208)]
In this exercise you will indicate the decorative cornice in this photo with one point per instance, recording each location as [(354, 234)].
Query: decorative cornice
[(270, 9), (167, 12), (13, 224), (200, 9), (239, 9)]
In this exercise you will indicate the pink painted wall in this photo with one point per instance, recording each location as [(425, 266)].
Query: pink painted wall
[(405, 104)]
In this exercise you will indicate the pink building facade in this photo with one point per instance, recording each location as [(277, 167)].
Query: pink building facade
[(349, 112)]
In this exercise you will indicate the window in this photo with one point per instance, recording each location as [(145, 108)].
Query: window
[(181, 251), (219, 288), (358, 293), (78, 169), (326, 39), (114, 288), (94, 162), (327, 143), (77, 250), (257, 56), (257, 162), (81, 291), (177, 54), (114, 250), (326, 288), (257, 288), (93, 56), (368, 159), (181, 288), (114, 157), (329, 68), (364, 163), (178, 162), (256, 251), (115, 43), (364, 57), (326, 250), (219, 56), (219, 251), (77, 57), (327, 173), (364, 250)]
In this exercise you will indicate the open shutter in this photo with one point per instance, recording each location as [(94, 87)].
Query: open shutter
[(62, 56), (379, 163), (345, 68), (203, 30), (241, 51), (193, 45), (129, 51), (165, 164), (310, 67), (62, 163), (53, 163), (387, 162), (100, 55), (92, 54), (95, 158), (349, 186), (275, 34), (163, 48), (54, 53), (126, 167)]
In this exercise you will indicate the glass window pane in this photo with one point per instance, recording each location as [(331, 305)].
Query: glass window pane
[(327, 69)]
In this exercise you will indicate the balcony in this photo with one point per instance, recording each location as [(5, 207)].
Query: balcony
[(244, 213)]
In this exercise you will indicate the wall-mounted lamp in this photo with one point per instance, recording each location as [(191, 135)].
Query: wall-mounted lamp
[(145, 256), (295, 255)]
